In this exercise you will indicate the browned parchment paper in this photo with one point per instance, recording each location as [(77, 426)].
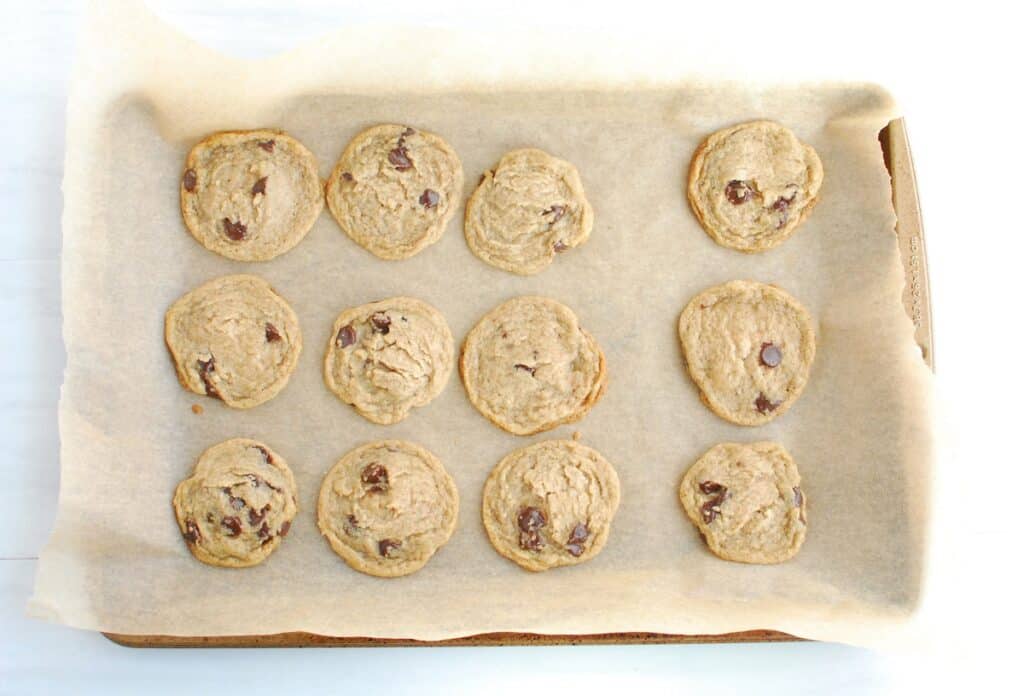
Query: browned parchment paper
[(861, 433)]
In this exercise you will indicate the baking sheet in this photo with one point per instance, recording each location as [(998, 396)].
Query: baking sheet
[(861, 432)]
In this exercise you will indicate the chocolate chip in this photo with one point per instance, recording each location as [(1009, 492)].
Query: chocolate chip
[(233, 525), (347, 176), (798, 496), (237, 503), (406, 133), (399, 158), (738, 192), (256, 516), (429, 198), (263, 532), (188, 180), (381, 322), (763, 404), (209, 517), (267, 457), (267, 145), (272, 333), (770, 355), (346, 336), (254, 480), (781, 206), (234, 230), (285, 526), (260, 186), (386, 546), (192, 533), (206, 370), (710, 487), (526, 368), (560, 246), (375, 476), (530, 520), (353, 523), (580, 533), (556, 211)]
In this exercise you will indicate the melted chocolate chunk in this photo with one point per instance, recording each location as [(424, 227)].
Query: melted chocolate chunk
[(375, 477), (209, 517), (765, 405), (272, 333), (781, 206), (387, 546), (381, 322), (556, 212), (560, 246), (347, 176), (429, 198), (526, 368), (267, 457), (798, 496), (256, 516), (236, 503), (260, 186), (263, 532), (285, 526), (710, 487), (346, 336), (206, 370), (580, 533), (399, 158), (406, 133), (188, 180), (192, 533), (233, 525), (352, 524), (530, 520), (234, 230), (770, 355), (738, 192), (267, 145)]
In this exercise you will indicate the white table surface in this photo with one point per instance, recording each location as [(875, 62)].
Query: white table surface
[(958, 84)]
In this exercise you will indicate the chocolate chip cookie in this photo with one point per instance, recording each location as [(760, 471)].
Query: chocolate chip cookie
[(234, 339), (751, 185), (237, 505), (387, 507), (746, 501), (550, 504), (527, 209), (748, 348), (528, 366), (250, 195), (384, 358), (394, 190)]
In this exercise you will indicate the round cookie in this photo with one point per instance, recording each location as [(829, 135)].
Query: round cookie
[(237, 505), (394, 190), (234, 339), (746, 501), (751, 185), (384, 358), (528, 366), (250, 195), (748, 348), (550, 504), (530, 207), (387, 507)]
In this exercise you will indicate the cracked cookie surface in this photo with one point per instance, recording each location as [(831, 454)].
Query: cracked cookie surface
[(394, 190), (752, 185), (387, 507), (527, 209), (387, 357), (235, 339), (749, 348), (550, 504), (746, 501), (237, 505), (250, 195), (528, 366)]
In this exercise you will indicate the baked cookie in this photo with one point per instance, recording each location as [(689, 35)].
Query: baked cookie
[(752, 185), (387, 507), (237, 505), (550, 504), (234, 339), (386, 357), (394, 190), (749, 348), (529, 367), (250, 195), (746, 501), (527, 209)]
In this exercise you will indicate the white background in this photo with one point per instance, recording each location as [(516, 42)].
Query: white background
[(957, 74)]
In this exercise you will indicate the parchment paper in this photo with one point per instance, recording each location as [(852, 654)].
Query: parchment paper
[(861, 432)]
